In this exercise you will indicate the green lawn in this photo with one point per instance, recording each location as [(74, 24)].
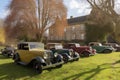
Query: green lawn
[(98, 67)]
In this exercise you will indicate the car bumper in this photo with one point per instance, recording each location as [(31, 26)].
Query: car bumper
[(73, 58)]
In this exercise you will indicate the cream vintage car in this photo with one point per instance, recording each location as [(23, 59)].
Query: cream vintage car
[(34, 54)]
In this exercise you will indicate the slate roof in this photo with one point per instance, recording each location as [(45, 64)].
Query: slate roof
[(76, 20)]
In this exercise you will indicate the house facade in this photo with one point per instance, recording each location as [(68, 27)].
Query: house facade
[(75, 30)]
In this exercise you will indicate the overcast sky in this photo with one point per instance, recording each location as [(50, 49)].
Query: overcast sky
[(77, 7)]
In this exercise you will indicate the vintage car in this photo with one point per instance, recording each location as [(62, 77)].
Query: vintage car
[(34, 54), (84, 51), (8, 51), (114, 45), (68, 54), (100, 48)]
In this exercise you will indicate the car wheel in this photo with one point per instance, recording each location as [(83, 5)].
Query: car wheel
[(37, 66), (59, 66), (65, 58), (16, 58), (59, 57), (107, 51), (86, 54), (77, 59)]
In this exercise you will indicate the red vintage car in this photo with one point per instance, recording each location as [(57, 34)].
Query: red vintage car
[(84, 51)]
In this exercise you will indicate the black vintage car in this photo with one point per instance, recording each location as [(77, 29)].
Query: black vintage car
[(8, 51), (68, 54)]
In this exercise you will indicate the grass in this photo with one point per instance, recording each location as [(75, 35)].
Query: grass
[(98, 67)]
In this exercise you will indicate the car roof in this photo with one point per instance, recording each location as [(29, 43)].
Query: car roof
[(72, 43), (53, 43), (30, 43), (94, 42)]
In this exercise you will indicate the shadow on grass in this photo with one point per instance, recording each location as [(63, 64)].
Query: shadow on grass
[(117, 62), (4, 57), (12, 71), (94, 72)]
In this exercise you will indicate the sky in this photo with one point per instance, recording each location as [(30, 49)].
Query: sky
[(75, 8), (3, 8)]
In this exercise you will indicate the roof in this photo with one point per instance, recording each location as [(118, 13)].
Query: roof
[(53, 43), (30, 43), (76, 20)]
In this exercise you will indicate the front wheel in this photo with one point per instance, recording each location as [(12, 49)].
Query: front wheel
[(37, 66), (107, 51), (65, 58)]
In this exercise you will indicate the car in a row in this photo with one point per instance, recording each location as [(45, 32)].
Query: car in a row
[(52, 55)]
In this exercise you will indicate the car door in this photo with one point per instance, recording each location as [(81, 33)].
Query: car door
[(23, 52)]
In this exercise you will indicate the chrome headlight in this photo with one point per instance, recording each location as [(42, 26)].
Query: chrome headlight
[(71, 51), (55, 54), (45, 55), (90, 48)]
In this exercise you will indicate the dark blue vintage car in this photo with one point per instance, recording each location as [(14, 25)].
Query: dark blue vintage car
[(68, 54)]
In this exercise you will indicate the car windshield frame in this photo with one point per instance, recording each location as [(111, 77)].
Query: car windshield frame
[(58, 46), (35, 46), (77, 45)]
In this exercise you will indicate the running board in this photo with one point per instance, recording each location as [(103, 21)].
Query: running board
[(52, 65)]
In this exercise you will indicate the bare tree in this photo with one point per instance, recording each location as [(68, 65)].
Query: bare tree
[(24, 21), (49, 12), (103, 11)]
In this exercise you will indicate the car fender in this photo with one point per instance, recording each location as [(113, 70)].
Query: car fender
[(59, 57), (15, 55), (86, 51), (65, 54), (77, 54), (41, 60)]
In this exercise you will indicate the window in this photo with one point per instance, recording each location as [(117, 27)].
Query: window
[(82, 26), (82, 36), (23, 47)]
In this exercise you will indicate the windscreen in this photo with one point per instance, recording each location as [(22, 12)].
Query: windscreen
[(36, 46)]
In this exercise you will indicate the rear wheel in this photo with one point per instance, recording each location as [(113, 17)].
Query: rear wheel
[(77, 59), (16, 58), (59, 66), (86, 54), (107, 51), (37, 66)]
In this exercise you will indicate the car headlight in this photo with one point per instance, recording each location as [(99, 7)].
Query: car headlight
[(45, 55), (55, 54), (71, 52), (90, 48)]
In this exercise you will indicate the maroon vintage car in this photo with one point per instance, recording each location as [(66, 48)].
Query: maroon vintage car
[(84, 51)]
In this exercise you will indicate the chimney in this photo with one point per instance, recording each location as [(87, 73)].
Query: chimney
[(71, 17)]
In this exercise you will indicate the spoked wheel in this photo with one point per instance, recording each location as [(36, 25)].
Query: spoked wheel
[(37, 66)]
